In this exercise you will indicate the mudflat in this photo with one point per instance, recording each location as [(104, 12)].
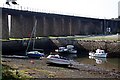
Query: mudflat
[(38, 68)]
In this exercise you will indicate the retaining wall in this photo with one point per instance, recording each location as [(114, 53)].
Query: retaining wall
[(111, 47)]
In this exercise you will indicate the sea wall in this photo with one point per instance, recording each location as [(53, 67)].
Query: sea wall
[(111, 47)]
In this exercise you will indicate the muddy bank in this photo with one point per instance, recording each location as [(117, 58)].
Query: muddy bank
[(39, 69), (111, 47)]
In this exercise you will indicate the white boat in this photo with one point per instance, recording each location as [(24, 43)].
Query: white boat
[(56, 59), (98, 53), (70, 46), (61, 49), (68, 49), (72, 51)]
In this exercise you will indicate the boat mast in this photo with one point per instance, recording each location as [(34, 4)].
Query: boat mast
[(33, 33)]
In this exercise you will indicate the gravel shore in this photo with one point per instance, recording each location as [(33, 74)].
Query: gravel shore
[(38, 68)]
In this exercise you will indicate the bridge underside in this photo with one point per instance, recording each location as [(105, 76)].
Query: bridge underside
[(19, 24)]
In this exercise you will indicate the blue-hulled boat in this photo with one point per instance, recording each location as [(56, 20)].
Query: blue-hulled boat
[(35, 54)]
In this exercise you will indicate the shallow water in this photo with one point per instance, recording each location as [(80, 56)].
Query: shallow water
[(106, 63)]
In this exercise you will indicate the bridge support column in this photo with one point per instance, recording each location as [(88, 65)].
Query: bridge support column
[(66, 26), (40, 26), (79, 25), (63, 29), (16, 27), (70, 27), (5, 28), (54, 27), (45, 26), (28, 22), (0, 24), (58, 26)]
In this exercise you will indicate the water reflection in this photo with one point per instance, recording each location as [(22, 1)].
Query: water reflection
[(98, 60), (107, 63)]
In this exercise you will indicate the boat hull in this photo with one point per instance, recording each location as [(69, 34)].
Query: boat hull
[(98, 55), (34, 55), (59, 61)]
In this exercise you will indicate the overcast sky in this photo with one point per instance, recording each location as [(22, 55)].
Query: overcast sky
[(85, 8)]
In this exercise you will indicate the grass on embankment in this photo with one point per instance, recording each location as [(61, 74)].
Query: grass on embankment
[(88, 37), (9, 73), (109, 37)]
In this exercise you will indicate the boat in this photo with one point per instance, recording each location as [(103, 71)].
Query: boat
[(68, 49), (98, 53), (72, 51), (35, 53), (56, 59), (61, 49)]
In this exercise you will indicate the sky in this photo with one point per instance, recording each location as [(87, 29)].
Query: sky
[(103, 9)]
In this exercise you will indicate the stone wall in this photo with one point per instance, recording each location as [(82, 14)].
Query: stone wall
[(111, 47)]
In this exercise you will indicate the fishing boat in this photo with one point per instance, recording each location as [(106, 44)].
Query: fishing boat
[(56, 59), (35, 53), (98, 53)]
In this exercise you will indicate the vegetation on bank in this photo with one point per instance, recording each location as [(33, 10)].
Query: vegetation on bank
[(89, 37), (9, 73), (111, 38)]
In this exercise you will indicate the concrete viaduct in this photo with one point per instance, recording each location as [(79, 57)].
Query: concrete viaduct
[(49, 24)]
